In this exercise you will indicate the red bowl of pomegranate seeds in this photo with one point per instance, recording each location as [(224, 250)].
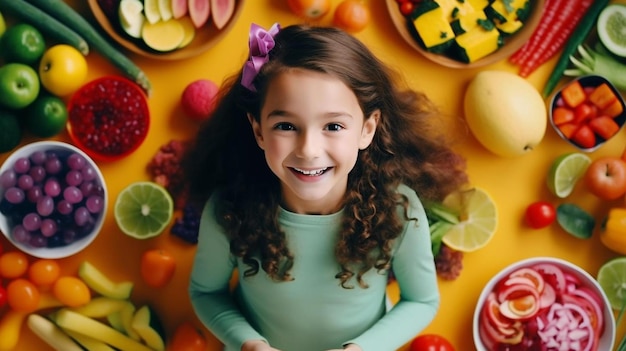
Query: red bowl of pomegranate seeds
[(543, 303), (53, 199), (108, 118)]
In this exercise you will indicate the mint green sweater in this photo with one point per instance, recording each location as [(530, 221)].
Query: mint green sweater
[(313, 312)]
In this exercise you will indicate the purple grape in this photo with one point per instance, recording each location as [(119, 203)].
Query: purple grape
[(64, 207), (76, 161), (89, 173), (25, 182), (20, 234), (52, 187), (74, 178), (33, 194), (21, 165), (14, 195), (38, 240), (94, 203), (81, 216), (48, 227), (31, 222), (45, 206), (72, 195), (53, 165), (38, 157), (8, 179), (69, 236), (38, 173)]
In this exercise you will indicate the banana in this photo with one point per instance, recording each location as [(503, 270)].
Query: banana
[(101, 284), (10, 328), (51, 334), (100, 306), (89, 343)]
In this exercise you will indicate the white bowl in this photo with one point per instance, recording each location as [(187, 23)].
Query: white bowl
[(61, 249), (606, 340)]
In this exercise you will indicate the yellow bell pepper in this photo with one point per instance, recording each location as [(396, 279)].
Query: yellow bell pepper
[(614, 234)]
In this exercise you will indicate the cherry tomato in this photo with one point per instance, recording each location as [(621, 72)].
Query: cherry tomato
[(23, 296), (13, 264), (3, 296), (406, 8), (187, 338), (71, 291), (540, 214), (351, 15), (431, 342), (584, 111), (44, 272), (157, 267)]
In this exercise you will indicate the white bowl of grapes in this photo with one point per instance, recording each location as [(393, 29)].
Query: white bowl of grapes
[(53, 199)]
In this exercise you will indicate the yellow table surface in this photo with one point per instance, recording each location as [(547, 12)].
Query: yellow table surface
[(512, 182)]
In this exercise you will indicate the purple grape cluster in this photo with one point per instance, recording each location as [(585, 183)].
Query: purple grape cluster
[(51, 198), (188, 225)]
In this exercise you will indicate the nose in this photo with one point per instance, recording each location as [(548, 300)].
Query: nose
[(309, 145)]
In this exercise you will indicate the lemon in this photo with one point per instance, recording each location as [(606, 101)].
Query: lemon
[(143, 209), (151, 11), (478, 220), (612, 279), (565, 172), (611, 26)]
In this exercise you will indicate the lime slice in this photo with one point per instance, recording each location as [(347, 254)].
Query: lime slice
[(612, 279), (151, 11), (143, 209), (478, 220), (611, 26), (565, 172)]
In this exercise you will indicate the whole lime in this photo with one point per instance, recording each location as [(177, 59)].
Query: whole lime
[(10, 131), (46, 116), (22, 43)]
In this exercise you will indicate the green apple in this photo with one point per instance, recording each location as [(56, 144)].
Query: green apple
[(46, 116), (19, 85)]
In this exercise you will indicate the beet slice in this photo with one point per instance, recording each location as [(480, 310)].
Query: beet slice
[(108, 118)]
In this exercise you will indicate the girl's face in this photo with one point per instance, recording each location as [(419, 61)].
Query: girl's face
[(311, 130)]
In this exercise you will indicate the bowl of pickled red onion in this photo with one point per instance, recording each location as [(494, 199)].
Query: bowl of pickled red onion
[(543, 303), (53, 199)]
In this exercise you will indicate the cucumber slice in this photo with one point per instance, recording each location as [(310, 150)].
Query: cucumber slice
[(611, 28)]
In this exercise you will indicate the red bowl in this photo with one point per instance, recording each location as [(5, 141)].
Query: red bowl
[(108, 118)]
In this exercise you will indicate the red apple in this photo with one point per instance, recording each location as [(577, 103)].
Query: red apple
[(606, 177)]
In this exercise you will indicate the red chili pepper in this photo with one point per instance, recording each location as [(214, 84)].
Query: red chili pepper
[(551, 8), (570, 17)]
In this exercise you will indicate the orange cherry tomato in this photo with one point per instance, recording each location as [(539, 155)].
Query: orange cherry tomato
[(71, 291), (13, 264), (44, 272), (352, 16), (23, 296), (309, 9), (187, 337), (157, 267)]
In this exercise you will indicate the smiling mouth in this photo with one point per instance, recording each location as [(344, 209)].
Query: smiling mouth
[(311, 172)]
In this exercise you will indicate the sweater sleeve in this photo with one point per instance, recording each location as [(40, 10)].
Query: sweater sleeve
[(414, 269), (209, 287)]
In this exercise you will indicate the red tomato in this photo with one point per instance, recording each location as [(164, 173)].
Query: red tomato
[(540, 214), (606, 177), (584, 111), (157, 267), (584, 137), (431, 342), (406, 8), (187, 338)]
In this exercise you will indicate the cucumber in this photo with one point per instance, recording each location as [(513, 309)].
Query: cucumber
[(66, 14), (50, 26)]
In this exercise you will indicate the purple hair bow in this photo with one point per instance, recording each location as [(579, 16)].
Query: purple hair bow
[(261, 42)]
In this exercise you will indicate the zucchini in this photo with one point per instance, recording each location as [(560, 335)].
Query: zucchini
[(66, 14), (50, 26)]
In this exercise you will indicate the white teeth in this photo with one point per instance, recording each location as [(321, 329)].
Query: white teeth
[(311, 172)]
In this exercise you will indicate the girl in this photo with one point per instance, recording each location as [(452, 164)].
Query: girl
[(310, 168)]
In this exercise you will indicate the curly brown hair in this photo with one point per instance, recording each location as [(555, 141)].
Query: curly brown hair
[(406, 149)]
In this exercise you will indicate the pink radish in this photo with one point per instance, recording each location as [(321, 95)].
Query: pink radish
[(222, 11), (179, 8), (199, 11)]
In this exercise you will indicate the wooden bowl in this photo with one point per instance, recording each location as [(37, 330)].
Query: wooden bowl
[(511, 44), (205, 37)]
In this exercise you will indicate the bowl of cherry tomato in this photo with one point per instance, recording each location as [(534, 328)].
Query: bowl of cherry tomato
[(53, 199), (587, 112), (543, 303)]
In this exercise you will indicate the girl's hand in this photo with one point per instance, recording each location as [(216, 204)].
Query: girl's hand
[(257, 345), (349, 347)]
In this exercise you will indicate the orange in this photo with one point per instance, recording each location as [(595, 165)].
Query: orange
[(309, 9), (352, 16), (71, 291), (13, 264)]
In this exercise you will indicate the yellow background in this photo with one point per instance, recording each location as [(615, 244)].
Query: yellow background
[(512, 182)]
